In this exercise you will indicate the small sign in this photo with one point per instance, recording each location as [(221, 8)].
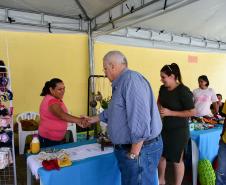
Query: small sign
[(192, 59)]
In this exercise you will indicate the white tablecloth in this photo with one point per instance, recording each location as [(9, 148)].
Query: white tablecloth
[(76, 153)]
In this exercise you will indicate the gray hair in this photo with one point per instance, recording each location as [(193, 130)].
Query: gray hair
[(120, 58)]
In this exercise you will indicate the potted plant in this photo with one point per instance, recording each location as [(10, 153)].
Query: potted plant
[(104, 102)]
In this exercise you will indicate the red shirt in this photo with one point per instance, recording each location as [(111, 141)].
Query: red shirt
[(51, 127)]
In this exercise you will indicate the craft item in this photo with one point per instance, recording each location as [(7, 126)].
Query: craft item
[(209, 120), (64, 160), (9, 95), (99, 96), (6, 95), (5, 157), (50, 164), (3, 111), (4, 138), (206, 173), (4, 81), (53, 154), (5, 121), (50, 159)]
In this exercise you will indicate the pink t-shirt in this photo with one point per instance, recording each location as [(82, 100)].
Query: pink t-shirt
[(51, 127)]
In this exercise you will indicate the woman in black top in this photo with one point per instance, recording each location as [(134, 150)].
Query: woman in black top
[(175, 105)]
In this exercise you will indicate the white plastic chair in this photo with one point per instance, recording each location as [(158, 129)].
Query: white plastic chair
[(22, 133), (72, 128)]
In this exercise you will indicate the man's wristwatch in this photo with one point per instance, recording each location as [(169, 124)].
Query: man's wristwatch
[(132, 156)]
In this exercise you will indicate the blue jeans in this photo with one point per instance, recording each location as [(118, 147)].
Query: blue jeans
[(141, 171), (221, 170)]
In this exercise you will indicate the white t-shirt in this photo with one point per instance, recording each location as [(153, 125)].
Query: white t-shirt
[(203, 98)]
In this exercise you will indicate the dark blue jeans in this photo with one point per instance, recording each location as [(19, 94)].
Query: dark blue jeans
[(141, 171), (221, 171)]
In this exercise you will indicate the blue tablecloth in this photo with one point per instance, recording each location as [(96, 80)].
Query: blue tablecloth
[(100, 170), (207, 142)]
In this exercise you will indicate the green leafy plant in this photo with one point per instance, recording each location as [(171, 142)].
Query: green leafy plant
[(104, 102)]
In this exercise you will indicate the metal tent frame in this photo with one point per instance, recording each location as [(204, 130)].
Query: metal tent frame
[(114, 21)]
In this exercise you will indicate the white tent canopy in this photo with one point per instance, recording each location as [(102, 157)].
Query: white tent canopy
[(70, 15), (197, 18), (204, 18), (64, 8), (196, 23)]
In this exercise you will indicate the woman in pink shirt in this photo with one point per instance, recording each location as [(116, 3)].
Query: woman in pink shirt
[(204, 97), (53, 114)]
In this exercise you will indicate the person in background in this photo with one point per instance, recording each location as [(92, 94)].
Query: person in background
[(134, 123), (220, 105), (204, 97), (176, 105), (54, 115), (221, 169)]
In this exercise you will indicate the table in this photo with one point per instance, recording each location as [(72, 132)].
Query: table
[(204, 144), (98, 170)]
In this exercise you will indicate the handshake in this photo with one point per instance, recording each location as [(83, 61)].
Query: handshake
[(86, 121)]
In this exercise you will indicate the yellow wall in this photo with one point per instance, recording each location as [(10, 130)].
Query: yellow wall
[(37, 57), (150, 61)]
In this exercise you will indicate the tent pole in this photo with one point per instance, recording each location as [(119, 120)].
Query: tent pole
[(91, 82), (91, 55)]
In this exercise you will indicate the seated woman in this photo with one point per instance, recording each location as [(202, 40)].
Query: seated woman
[(53, 114), (204, 97), (220, 105)]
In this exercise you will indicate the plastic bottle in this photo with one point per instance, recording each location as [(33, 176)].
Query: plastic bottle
[(35, 144)]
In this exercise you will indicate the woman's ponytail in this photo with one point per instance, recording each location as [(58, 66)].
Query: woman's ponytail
[(172, 69), (177, 72), (45, 89)]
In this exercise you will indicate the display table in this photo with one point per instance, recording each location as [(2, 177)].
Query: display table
[(98, 170), (204, 144)]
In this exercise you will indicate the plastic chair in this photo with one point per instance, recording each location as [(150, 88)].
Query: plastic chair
[(72, 128), (22, 133)]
